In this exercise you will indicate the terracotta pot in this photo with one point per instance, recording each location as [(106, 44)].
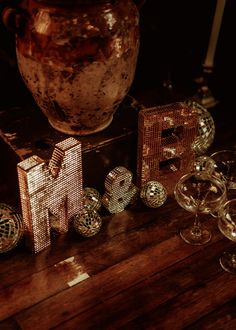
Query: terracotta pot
[(77, 57)]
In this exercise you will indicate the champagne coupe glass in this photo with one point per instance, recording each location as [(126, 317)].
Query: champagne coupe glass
[(199, 193), (225, 165), (227, 226)]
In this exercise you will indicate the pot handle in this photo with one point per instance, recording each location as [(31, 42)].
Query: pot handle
[(13, 18)]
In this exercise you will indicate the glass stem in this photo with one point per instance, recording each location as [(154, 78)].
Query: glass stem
[(196, 229)]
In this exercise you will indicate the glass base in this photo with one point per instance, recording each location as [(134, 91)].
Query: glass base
[(228, 261), (195, 236)]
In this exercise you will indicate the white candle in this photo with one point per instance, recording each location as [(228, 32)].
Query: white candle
[(209, 59)]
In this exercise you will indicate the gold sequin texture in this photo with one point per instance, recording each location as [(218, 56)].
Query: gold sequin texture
[(165, 137), (120, 191), (50, 194)]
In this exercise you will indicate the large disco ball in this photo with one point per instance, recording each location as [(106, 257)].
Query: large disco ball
[(206, 128)]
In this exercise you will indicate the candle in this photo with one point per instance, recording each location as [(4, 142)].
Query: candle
[(209, 59)]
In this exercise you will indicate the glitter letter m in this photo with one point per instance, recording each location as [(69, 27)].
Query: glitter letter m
[(50, 194)]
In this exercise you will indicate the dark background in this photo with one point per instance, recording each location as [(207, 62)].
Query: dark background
[(174, 39)]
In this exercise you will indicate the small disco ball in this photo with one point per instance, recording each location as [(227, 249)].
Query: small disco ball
[(203, 163), (92, 199), (11, 227), (153, 194), (206, 128), (87, 223)]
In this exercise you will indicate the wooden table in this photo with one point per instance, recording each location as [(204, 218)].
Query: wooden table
[(136, 273)]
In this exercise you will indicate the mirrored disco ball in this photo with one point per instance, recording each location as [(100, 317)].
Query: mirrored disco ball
[(11, 227), (87, 223), (92, 199), (206, 128), (153, 194), (203, 163)]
